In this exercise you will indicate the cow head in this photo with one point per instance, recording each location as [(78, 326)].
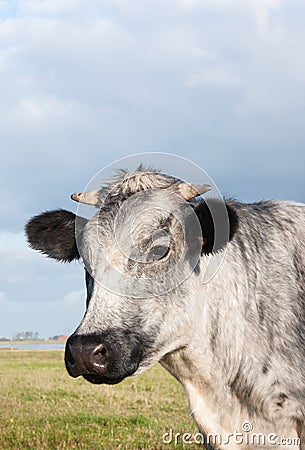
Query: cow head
[(144, 252)]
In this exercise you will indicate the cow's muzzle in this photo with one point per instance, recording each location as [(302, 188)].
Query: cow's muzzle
[(101, 359)]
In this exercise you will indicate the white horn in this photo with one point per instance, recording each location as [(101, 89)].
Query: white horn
[(89, 197), (188, 191)]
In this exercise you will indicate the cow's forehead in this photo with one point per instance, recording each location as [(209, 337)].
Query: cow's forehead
[(148, 210), (131, 222), (127, 183)]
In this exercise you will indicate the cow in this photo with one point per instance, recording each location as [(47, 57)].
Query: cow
[(212, 289)]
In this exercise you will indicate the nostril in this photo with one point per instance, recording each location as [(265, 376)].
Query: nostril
[(100, 356)]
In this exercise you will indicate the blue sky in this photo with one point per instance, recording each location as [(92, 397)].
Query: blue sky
[(221, 82)]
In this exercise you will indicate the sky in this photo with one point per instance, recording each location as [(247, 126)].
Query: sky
[(82, 84)]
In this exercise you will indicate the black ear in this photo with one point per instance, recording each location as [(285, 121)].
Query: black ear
[(53, 233), (220, 216)]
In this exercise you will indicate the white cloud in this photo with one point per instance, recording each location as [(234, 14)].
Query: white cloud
[(39, 112), (3, 5), (215, 4), (48, 7), (12, 241), (213, 76), (37, 293), (3, 299), (263, 10), (75, 297), (7, 58)]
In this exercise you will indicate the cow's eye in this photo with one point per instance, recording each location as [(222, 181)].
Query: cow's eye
[(157, 252)]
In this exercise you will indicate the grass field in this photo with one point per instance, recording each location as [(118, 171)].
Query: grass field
[(43, 408)]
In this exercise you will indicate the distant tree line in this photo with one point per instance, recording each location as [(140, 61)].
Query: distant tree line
[(32, 336), (26, 336), (58, 337)]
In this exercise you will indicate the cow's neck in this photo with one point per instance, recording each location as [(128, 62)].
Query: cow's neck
[(204, 400), (215, 408), (216, 357)]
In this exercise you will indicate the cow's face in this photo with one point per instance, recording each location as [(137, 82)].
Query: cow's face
[(141, 253)]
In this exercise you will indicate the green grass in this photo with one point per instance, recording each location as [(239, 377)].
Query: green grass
[(43, 408)]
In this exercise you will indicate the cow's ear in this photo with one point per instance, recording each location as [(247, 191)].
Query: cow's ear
[(220, 215), (53, 233)]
